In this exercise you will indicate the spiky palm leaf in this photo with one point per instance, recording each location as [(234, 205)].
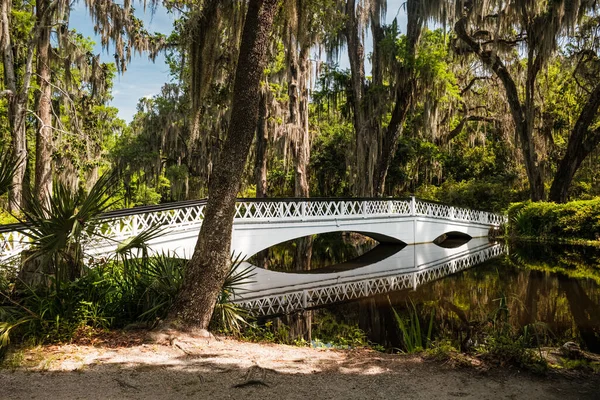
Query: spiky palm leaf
[(57, 230), (139, 241), (227, 315)]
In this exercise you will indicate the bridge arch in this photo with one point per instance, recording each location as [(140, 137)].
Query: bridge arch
[(250, 240), (452, 239)]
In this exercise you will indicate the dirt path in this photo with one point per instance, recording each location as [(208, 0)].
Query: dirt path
[(225, 369)]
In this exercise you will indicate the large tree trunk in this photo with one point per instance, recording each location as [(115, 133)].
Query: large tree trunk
[(17, 105), (522, 115), (260, 166), (262, 143), (366, 147), (581, 143), (43, 145), (405, 93), (300, 323), (210, 262)]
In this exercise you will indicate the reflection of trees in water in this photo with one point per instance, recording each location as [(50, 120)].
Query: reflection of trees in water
[(586, 313), (526, 285), (311, 252), (325, 250)]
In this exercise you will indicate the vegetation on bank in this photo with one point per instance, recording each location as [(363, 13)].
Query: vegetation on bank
[(545, 221)]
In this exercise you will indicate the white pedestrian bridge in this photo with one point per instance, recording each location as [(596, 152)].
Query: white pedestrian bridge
[(260, 224)]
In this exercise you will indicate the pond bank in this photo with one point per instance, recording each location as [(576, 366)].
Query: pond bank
[(222, 368)]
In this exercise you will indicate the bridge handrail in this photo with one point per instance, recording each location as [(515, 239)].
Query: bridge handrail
[(289, 299), (120, 224)]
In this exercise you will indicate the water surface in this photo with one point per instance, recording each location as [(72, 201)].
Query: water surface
[(547, 294)]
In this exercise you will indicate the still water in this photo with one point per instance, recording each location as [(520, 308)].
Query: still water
[(549, 294)]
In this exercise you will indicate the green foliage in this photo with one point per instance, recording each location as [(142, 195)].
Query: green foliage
[(329, 332), (507, 350), (573, 220), (229, 317), (413, 339), (479, 195), (329, 173), (7, 218), (567, 260), (271, 331), (128, 290), (57, 231)]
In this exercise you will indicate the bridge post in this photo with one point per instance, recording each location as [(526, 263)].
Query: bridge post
[(451, 212), (303, 210), (134, 224), (413, 206), (389, 206), (304, 299), (364, 208)]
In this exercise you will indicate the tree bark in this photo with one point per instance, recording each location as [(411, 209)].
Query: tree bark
[(17, 105), (210, 262), (300, 323), (262, 143), (581, 143), (260, 166), (43, 145), (366, 155)]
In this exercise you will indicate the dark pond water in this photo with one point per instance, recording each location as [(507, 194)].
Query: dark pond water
[(541, 294)]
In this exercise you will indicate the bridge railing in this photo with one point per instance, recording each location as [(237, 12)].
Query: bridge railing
[(290, 300), (117, 225)]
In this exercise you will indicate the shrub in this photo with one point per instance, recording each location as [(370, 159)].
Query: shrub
[(574, 220)]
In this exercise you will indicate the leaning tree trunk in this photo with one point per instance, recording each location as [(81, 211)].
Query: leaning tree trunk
[(210, 262), (43, 144), (581, 143)]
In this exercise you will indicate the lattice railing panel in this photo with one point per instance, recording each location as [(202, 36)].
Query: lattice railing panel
[(182, 218), (312, 298), (11, 244)]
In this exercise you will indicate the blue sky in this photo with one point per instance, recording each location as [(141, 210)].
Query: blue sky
[(144, 78)]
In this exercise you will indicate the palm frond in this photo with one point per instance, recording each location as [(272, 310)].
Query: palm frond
[(57, 229), (8, 167), (139, 241), (239, 275)]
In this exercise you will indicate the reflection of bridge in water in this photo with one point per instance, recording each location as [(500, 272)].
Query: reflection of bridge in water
[(260, 224), (271, 292)]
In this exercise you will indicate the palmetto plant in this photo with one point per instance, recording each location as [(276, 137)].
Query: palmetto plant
[(229, 316), (57, 231)]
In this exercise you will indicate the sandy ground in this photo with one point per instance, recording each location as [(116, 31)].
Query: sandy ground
[(225, 368)]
